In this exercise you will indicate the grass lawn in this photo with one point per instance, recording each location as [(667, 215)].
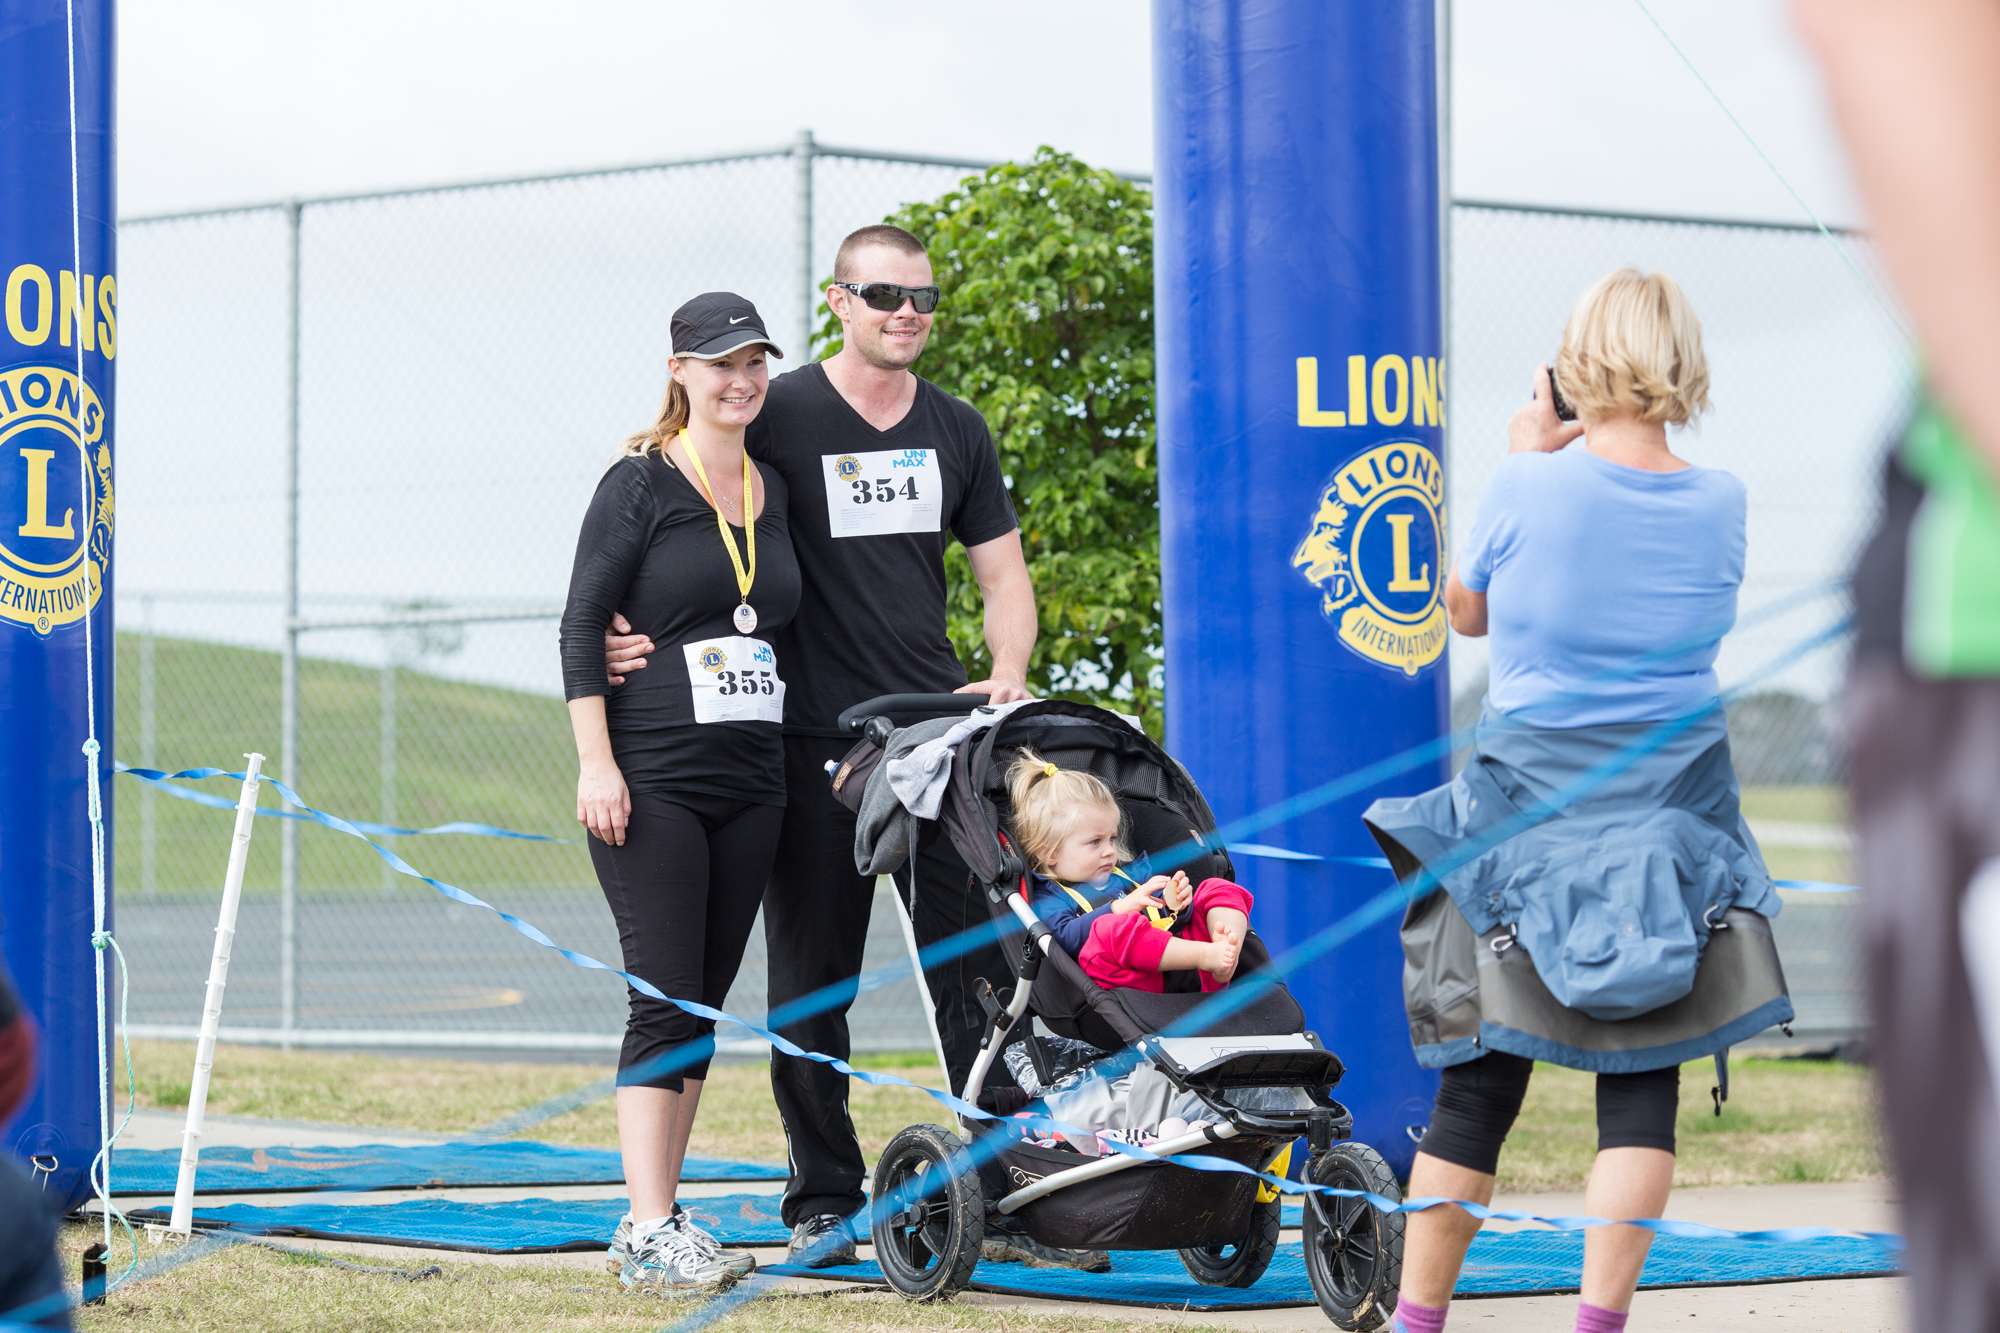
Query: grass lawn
[(737, 1117), (1797, 804), (1786, 1120), (246, 1288)]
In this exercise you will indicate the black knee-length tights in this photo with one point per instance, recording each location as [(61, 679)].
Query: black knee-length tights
[(1478, 1101), (684, 890)]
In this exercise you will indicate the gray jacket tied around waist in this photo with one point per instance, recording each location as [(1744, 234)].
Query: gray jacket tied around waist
[(1604, 906)]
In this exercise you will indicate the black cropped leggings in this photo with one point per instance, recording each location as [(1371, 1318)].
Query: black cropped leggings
[(684, 890), (1478, 1101)]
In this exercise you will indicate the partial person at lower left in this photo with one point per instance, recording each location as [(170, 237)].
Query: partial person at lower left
[(31, 1275)]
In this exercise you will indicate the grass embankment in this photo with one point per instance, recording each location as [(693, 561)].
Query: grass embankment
[(1786, 1120), (1815, 805), (463, 752)]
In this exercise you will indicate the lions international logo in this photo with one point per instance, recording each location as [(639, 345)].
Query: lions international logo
[(55, 497), (713, 659), (847, 467), (1376, 553)]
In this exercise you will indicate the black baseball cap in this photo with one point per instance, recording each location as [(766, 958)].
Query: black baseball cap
[(716, 324)]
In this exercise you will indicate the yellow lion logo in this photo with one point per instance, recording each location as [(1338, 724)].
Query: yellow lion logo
[(1321, 556)]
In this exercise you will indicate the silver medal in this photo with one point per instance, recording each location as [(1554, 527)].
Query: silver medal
[(746, 618)]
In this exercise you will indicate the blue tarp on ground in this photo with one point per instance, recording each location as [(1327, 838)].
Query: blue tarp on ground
[(383, 1166), (514, 1226), (1500, 1262)]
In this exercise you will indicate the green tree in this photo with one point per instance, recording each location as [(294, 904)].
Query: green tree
[(1046, 326)]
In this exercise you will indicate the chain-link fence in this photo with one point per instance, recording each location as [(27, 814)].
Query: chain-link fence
[(415, 392)]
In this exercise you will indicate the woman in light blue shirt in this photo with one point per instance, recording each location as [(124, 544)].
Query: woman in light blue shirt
[(1605, 568), (1613, 566)]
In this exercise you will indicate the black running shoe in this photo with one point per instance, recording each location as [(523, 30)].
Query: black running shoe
[(823, 1241)]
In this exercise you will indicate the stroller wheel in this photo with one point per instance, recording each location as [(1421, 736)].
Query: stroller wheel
[(1238, 1263), (927, 1213), (1353, 1250)]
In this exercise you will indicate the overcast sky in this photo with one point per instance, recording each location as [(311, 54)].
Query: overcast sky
[(1575, 102)]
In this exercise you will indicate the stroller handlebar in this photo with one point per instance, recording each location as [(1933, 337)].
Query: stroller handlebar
[(907, 708)]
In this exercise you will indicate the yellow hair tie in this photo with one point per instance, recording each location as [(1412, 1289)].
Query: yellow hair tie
[(1050, 769)]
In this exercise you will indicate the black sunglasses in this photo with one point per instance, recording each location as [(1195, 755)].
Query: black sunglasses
[(889, 296)]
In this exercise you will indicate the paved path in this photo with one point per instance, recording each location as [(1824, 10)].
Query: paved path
[(417, 962)]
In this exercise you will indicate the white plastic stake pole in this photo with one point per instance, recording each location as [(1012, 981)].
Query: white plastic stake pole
[(182, 1223), (917, 966)]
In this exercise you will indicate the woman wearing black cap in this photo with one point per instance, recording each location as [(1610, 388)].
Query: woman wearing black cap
[(683, 782)]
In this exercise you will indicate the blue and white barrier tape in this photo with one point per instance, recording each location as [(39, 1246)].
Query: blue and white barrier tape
[(165, 782), (1382, 863)]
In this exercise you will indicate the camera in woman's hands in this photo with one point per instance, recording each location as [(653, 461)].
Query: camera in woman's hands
[(1564, 411)]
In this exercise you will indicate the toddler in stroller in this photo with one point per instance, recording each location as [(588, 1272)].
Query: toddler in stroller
[(1235, 1065), (1067, 827)]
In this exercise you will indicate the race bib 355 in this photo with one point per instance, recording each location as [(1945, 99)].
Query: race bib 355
[(734, 680)]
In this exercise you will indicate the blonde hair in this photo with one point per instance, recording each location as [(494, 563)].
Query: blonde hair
[(1047, 800), (673, 419), (1633, 347)]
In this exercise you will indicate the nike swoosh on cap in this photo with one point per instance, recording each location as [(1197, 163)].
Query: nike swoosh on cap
[(739, 319)]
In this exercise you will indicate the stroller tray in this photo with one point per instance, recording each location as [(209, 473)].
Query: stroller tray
[(1291, 1060)]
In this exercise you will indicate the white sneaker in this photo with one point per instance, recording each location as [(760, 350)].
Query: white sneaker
[(666, 1263), (740, 1262), (614, 1253)]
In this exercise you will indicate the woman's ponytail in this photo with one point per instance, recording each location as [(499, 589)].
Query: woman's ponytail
[(673, 419)]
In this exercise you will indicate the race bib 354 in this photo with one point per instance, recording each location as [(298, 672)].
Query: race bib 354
[(883, 492)]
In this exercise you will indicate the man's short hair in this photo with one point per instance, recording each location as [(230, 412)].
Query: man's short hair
[(879, 234)]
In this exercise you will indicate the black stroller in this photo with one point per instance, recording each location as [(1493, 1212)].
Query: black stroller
[(935, 1187)]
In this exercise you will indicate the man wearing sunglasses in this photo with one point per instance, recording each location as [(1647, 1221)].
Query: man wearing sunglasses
[(884, 469)]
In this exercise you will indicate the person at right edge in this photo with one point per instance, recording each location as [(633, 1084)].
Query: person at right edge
[(1916, 87), (1591, 855), (885, 468)]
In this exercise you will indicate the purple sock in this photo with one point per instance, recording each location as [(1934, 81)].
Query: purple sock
[(1596, 1319), (1414, 1318)]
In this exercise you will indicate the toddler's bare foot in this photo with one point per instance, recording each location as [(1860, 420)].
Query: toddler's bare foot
[(1224, 950)]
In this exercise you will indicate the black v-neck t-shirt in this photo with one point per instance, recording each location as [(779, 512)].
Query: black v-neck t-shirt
[(651, 549), (871, 616)]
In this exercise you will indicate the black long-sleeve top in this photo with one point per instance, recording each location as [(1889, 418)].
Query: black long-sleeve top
[(650, 548)]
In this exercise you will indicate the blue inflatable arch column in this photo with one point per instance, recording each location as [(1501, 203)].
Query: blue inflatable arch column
[(60, 315), (1301, 413)]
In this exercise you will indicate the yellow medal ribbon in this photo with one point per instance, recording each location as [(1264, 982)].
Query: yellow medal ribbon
[(744, 577), (1084, 903)]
